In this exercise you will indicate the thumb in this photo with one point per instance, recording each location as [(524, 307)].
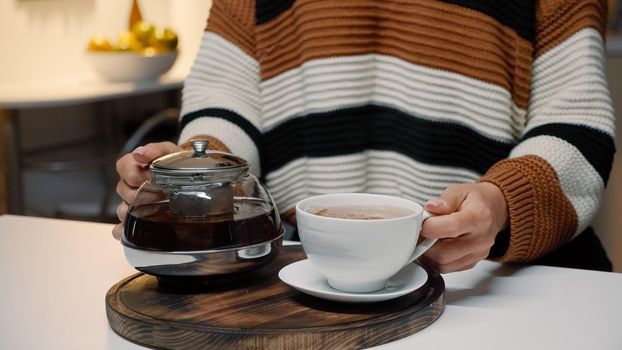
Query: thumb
[(449, 201), (146, 154)]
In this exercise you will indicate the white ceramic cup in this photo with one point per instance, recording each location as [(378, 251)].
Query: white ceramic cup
[(360, 255)]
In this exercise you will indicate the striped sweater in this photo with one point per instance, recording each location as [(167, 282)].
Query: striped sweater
[(408, 97)]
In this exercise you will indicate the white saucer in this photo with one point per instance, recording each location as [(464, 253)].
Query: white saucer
[(302, 276)]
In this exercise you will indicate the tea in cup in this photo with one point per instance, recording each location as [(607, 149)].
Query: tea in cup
[(359, 240)]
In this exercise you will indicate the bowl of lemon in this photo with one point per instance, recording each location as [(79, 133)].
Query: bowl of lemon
[(142, 53)]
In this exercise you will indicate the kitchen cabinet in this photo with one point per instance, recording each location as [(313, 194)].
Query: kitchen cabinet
[(45, 109)]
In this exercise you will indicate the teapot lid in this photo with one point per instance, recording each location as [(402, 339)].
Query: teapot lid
[(199, 161)]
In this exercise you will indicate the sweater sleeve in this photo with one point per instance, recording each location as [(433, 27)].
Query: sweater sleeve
[(220, 98), (554, 178)]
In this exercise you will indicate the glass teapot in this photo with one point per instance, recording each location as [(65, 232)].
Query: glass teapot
[(201, 214)]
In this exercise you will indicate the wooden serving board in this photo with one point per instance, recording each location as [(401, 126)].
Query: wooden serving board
[(263, 313)]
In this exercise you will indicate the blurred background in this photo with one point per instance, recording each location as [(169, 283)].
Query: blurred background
[(63, 123)]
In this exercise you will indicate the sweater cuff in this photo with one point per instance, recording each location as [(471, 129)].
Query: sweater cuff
[(541, 217), (501, 245)]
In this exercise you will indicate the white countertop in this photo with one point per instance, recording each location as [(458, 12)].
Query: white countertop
[(80, 89), (55, 275)]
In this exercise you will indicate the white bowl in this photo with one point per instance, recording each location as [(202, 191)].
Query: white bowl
[(130, 66)]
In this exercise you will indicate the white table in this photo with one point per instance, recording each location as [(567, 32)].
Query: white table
[(55, 275)]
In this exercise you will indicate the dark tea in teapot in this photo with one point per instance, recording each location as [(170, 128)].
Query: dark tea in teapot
[(155, 227)]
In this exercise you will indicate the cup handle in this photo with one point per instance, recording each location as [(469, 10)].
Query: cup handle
[(425, 244)]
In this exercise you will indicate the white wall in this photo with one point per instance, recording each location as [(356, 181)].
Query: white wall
[(46, 39)]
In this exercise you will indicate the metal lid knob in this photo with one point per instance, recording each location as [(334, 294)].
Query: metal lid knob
[(199, 146), (198, 165)]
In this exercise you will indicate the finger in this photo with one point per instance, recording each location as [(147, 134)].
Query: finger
[(289, 216), (445, 251), (122, 211), (130, 171), (449, 226), (117, 231), (125, 191), (147, 153), (436, 206), (449, 201), (449, 255), (465, 263)]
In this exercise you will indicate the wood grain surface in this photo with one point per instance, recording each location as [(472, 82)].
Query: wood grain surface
[(263, 313)]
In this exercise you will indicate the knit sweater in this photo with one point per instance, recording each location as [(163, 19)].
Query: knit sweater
[(408, 97)]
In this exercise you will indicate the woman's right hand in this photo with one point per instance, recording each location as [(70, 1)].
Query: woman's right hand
[(133, 170)]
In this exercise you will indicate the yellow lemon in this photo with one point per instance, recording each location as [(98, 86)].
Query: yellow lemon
[(165, 38), (99, 43), (151, 51), (127, 41), (144, 31)]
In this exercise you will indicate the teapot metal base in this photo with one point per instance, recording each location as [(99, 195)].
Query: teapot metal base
[(182, 265)]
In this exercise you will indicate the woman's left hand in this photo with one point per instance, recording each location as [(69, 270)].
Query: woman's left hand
[(468, 218)]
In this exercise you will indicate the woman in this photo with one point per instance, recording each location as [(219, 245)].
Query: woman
[(495, 114)]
